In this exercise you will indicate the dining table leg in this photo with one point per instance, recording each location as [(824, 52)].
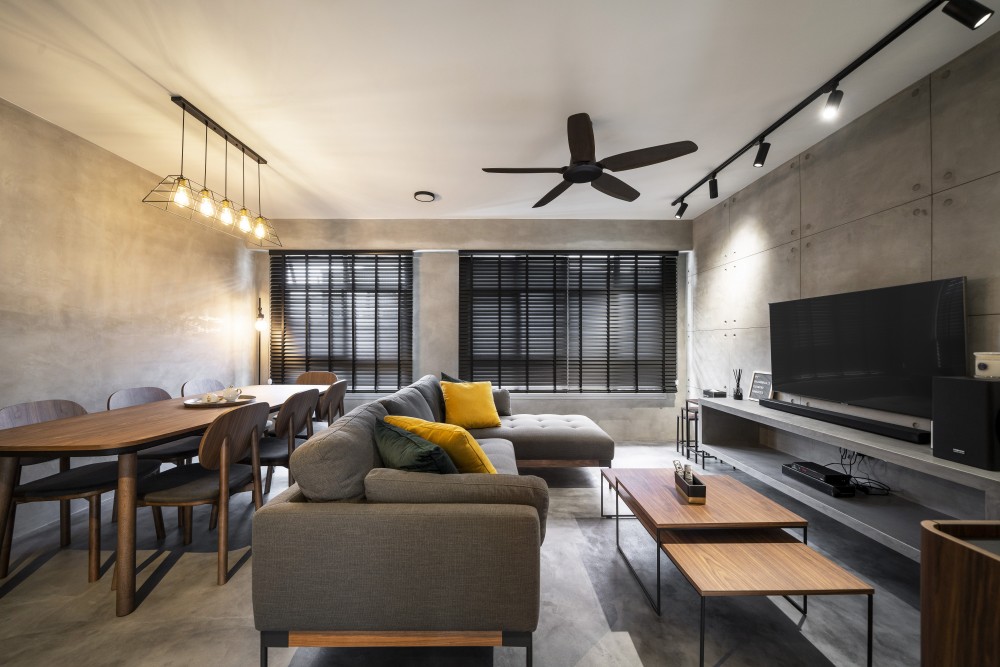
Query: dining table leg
[(8, 474), (125, 564)]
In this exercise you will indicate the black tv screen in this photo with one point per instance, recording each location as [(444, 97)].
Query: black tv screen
[(878, 348)]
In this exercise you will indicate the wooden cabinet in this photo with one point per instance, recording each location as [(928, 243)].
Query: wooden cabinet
[(960, 593)]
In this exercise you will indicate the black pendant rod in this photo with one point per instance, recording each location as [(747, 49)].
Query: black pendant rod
[(215, 127), (822, 90)]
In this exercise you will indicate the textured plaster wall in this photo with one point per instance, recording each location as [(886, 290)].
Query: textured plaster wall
[(908, 192), (435, 340), (99, 291)]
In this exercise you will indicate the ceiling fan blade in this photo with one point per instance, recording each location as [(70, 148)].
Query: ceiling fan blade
[(580, 131), (526, 170), (615, 187), (553, 193), (647, 156)]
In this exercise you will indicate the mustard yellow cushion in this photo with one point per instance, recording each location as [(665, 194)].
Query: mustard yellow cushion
[(457, 443), (470, 404)]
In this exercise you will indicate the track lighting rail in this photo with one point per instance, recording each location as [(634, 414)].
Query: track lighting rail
[(827, 87), (215, 127)]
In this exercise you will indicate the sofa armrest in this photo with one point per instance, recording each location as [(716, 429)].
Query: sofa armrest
[(393, 566), (384, 485)]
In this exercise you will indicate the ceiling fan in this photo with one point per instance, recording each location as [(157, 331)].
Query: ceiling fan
[(584, 168)]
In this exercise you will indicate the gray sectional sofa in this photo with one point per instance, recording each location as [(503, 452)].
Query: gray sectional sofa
[(354, 554)]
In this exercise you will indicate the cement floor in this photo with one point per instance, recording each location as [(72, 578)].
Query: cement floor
[(592, 612)]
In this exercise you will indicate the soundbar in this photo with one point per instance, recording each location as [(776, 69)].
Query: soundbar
[(835, 490), (907, 433)]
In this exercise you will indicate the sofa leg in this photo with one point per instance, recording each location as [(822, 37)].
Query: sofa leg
[(263, 652)]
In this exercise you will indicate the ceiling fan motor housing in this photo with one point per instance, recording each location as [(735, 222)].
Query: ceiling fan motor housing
[(583, 172)]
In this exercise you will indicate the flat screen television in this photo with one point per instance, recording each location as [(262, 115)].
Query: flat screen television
[(877, 348)]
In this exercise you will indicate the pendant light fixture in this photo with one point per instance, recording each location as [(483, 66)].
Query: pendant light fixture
[(970, 13), (174, 194)]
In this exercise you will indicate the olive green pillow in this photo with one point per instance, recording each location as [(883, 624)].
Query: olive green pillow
[(403, 450)]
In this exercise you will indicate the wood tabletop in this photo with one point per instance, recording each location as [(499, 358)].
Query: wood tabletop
[(133, 428), (651, 495), (756, 562)]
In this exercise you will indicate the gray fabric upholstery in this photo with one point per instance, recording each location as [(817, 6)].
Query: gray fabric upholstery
[(191, 483), (501, 399), (408, 402), (430, 388), (501, 454), (383, 485), (273, 450), (351, 566), (81, 480), (332, 464), (551, 437)]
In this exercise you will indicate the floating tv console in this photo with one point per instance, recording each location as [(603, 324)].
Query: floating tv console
[(896, 431)]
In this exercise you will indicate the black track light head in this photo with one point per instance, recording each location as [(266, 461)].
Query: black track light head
[(713, 188), (832, 107), (969, 13), (762, 148), (680, 210)]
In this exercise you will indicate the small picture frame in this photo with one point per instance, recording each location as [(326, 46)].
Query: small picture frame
[(760, 386)]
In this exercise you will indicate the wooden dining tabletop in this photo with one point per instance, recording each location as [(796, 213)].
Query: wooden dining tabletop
[(121, 432)]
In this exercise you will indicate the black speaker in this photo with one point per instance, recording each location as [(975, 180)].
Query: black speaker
[(966, 426)]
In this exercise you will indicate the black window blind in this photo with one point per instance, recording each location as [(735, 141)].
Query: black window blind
[(346, 312), (578, 322)]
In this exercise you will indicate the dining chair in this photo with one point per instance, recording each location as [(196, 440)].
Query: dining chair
[(86, 482), (294, 417), (231, 437), (316, 377), (330, 405), (178, 451), (201, 386)]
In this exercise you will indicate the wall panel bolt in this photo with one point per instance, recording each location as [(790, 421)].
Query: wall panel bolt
[(916, 187), (947, 202), (948, 175)]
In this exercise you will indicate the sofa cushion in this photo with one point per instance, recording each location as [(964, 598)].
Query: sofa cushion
[(402, 450), (552, 437), (396, 486), (332, 464), (501, 454), (430, 388), (407, 402), (460, 446), (469, 404)]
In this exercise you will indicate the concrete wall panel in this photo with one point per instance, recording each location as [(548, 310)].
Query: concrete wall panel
[(879, 161), (766, 213), (711, 235), (983, 335), (713, 292), (708, 360), (889, 248), (762, 279), (964, 117), (967, 240), (751, 351)]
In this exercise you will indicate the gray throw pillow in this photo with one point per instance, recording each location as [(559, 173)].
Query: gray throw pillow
[(402, 450)]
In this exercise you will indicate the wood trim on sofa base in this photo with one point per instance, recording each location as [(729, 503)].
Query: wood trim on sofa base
[(401, 638), (563, 463)]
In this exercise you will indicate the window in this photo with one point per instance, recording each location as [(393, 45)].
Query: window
[(350, 313), (581, 322)]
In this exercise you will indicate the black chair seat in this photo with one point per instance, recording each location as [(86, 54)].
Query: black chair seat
[(91, 478), (177, 449), (273, 451), (191, 483)]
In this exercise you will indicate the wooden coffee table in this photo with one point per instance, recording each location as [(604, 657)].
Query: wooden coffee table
[(720, 563), (650, 494)]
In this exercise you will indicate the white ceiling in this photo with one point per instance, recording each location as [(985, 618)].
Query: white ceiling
[(358, 103)]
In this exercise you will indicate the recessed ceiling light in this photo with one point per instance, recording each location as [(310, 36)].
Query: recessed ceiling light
[(424, 196)]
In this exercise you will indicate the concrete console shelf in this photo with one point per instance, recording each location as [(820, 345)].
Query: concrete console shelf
[(732, 430)]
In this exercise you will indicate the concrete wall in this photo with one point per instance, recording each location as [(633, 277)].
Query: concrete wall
[(908, 192), (647, 418), (101, 292)]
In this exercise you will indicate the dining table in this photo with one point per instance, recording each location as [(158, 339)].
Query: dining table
[(122, 433)]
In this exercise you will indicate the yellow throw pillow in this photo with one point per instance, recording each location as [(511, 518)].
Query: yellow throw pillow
[(470, 404), (458, 443)]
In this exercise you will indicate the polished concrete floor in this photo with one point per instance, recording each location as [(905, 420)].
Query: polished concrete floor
[(592, 612)]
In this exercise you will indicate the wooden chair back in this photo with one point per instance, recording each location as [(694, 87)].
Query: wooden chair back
[(316, 377), (126, 398), (331, 402), (234, 429), (35, 412), (201, 386), (296, 413)]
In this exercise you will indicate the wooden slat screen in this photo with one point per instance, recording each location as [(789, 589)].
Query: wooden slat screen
[(346, 312), (576, 322)]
